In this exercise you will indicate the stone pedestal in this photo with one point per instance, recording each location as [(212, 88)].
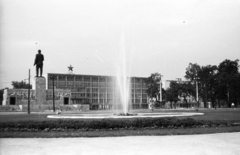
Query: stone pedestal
[(40, 90), (5, 93)]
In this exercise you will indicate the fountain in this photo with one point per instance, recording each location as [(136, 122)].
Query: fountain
[(123, 82)]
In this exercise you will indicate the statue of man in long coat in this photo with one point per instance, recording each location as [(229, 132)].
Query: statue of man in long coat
[(39, 63)]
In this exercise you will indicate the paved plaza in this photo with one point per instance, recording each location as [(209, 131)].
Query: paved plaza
[(209, 144)]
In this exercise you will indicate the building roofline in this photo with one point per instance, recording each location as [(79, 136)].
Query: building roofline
[(91, 75)]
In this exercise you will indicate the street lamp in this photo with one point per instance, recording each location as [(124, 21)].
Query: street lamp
[(197, 90), (53, 91), (28, 91), (196, 81), (160, 84)]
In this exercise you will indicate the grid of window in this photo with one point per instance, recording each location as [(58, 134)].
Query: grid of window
[(82, 94), (78, 78), (86, 79), (138, 86), (61, 84), (137, 101), (94, 90), (61, 78), (138, 95), (94, 95), (70, 78), (98, 88), (109, 101), (102, 101), (78, 95), (138, 90), (144, 100), (144, 85), (94, 79), (102, 84), (86, 84), (50, 84), (94, 84), (95, 100), (102, 79), (144, 95), (102, 95), (80, 101), (138, 80), (102, 89), (78, 84), (70, 84)]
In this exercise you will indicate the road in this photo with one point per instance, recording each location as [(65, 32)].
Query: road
[(208, 144)]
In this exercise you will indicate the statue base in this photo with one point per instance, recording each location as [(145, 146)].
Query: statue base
[(40, 89)]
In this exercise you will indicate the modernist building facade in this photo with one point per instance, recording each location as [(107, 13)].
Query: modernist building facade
[(83, 92), (99, 92)]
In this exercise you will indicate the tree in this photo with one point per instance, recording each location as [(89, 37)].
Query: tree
[(186, 89), (153, 85), (238, 88), (20, 85), (1, 95), (192, 74), (206, 78), (172, 93), (216, 82), (228, 80), (208, 83)]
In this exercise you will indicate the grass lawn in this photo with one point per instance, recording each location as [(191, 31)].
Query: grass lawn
[(209, 115)]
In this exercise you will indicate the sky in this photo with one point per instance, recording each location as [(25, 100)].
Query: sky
[(156, 36)]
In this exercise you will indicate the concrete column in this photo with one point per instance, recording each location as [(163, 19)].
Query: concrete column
[(40, 89), (98, 92), (106, 91), (5, 95)]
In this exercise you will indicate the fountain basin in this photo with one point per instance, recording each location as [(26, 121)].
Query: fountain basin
[(139, 115)]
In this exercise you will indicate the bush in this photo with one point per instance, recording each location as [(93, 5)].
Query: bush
[(109, 124)]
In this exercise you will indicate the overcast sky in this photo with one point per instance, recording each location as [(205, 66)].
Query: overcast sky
[(157, 35)]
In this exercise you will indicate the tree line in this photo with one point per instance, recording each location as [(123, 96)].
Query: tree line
[(215, 84)]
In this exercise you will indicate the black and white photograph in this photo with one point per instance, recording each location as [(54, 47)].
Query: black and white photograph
[(119, 77)]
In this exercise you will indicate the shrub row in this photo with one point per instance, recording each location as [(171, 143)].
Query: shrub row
[(110, 124)]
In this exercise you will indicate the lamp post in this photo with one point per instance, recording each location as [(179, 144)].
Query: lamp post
[(29, 92), (160, 86), (53, 94), (196, 81), (28, 107), (197, 91)]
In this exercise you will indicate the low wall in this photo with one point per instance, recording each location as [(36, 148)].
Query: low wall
[(5, 108), (43, 108)]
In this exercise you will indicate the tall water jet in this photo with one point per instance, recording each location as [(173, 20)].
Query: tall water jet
[(122, 77)]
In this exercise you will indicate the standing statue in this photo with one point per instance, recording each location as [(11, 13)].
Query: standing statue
[(39, 63)]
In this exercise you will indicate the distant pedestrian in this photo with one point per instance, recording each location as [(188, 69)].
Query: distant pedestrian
[(233, 106), (58, 111), (152, 106)]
